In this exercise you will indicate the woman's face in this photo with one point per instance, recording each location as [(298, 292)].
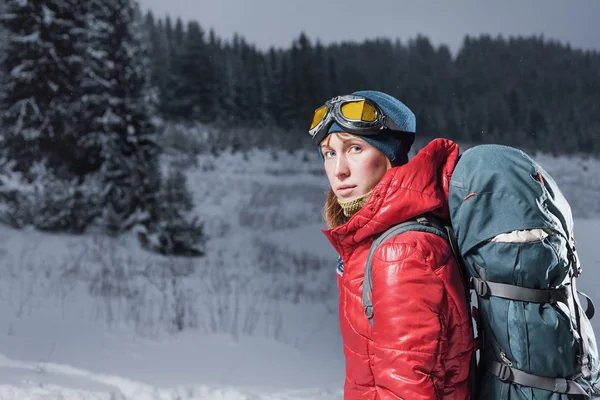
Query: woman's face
[(352, 165)]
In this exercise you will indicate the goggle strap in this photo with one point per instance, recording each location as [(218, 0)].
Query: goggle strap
[(391, 124)]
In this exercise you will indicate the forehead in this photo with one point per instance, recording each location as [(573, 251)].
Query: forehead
[(340, 137)]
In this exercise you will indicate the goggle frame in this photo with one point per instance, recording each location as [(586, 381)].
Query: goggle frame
[(359, 127)]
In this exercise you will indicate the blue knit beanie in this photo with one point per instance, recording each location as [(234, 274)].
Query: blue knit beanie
[(395, 145)]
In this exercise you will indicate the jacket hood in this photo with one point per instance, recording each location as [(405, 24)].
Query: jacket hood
[(408, 191)]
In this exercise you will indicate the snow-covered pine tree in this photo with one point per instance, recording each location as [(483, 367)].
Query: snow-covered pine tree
[(47, 202), (3, 37), (42, 68), (175, 105), (228, 103), (118, 107), (194, 88), (221, 79), (179, 231), (160, 57), (242, 94)]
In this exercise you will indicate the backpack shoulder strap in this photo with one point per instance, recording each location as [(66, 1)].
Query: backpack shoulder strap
[(431, 225), (422, 224)]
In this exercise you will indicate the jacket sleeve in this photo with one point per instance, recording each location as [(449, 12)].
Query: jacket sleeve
[(408, 332)]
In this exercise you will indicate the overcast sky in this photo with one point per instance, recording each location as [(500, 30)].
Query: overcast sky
[(278, 22)]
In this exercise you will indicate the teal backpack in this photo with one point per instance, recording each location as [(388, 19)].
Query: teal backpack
[(511, 231)]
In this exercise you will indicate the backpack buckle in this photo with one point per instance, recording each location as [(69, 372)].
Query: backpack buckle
[(585, 368), (594, 390), (480, 287), (504, 373)]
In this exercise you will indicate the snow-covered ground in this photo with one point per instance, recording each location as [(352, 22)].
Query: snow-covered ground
[(96, 318)]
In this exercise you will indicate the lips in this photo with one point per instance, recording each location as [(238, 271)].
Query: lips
[(345, 191), (344, 187)]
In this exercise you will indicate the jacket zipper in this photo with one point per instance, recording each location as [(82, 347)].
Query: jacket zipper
[(340, 267)]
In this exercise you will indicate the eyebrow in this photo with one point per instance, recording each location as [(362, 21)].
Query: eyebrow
[(345, 142), (353, 141)]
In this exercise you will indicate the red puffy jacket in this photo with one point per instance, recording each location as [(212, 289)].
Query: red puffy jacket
[(421, 342)]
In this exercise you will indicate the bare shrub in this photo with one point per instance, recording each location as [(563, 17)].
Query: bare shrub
[(178, 301), (170, 294), (152, 295), (272, 207), (22, 277), (296, 276)]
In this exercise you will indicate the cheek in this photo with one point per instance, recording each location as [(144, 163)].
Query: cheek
[(377, 165), (329, 172), (374, 169)]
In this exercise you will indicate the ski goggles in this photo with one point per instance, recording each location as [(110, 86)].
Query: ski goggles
[(355, 114)]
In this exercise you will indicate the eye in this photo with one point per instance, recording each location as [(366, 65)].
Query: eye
[(355, 148), (328, 153)]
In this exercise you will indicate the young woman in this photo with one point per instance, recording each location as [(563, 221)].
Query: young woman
[(420, 343)]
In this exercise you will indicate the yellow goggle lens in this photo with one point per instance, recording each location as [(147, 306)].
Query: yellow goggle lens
[(359, 111), (318, 117)]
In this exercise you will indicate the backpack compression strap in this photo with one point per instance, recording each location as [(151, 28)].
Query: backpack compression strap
[(558, 385), (485, 288)]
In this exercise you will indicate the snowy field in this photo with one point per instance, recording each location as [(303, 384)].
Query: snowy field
[(96, 318)]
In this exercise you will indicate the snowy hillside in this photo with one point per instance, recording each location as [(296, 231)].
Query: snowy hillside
[(97, 318)]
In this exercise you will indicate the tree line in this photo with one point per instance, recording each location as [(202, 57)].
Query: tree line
[(526, 91)]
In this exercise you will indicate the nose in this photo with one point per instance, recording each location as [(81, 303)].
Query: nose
[(341, 168)]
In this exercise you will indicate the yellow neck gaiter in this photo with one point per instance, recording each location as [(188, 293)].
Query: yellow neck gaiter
[(351, 207)]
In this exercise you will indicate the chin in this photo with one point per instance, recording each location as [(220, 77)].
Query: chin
[(349, 197)]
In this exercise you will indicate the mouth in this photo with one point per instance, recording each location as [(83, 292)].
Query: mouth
[(345, 190)]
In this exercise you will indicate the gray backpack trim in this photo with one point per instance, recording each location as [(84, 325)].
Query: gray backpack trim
[(584, 360)]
